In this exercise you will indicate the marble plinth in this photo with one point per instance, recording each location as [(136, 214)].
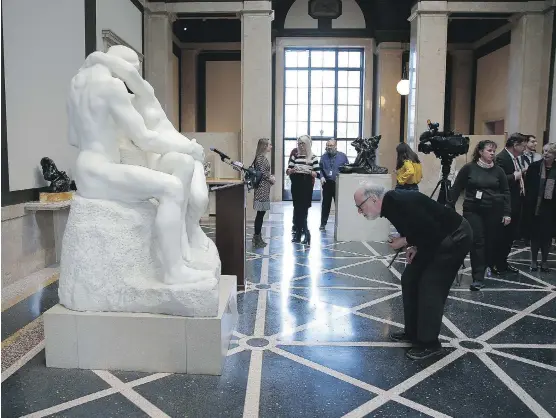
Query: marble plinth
[(142, 342), (350, 225)]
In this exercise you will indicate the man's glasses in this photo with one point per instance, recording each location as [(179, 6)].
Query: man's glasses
[(362, 203)]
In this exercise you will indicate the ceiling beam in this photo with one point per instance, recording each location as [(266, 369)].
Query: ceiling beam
[(483, 7)]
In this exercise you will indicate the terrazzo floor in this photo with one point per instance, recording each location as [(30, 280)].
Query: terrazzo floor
[(312, 341)]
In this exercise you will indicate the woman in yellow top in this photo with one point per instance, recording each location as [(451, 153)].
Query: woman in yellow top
[(408, 168)]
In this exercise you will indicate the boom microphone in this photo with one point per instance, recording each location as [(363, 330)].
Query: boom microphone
[(222, 155)]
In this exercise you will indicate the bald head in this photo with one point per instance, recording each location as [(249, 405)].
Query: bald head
[(368, 200), (331, 146), (125, 53)]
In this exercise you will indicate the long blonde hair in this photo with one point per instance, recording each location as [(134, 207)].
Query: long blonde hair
[(306, 139), (262, 145)]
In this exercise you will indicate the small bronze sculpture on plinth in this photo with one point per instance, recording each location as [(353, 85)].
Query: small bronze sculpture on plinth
[(365, 162), (61, 186)]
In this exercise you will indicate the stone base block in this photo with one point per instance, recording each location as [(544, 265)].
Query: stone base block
[(142, 342)]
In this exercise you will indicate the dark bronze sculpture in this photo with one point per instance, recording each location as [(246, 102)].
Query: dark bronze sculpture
[(59, 180), (365, 162)]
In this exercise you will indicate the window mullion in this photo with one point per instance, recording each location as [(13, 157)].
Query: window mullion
[(336, 97)]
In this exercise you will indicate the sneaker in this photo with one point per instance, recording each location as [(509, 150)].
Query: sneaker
[(419, 353), (400, 337)]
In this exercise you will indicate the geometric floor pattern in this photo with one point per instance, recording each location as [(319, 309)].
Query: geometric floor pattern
[(312, 341)]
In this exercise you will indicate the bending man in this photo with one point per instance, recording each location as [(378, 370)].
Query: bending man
[(437, 241)]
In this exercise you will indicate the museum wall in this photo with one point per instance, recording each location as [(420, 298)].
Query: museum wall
[(122, 18), (492, 88), (39, 65), (223, 96)]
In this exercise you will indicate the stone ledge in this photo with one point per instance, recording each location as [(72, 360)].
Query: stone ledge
[(140, 341), (52, 206)]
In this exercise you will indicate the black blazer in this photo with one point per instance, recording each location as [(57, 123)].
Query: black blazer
[(532, 184), (504, 160)]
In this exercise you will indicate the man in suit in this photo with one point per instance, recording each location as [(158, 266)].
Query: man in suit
[(509, 161), (530, 155)]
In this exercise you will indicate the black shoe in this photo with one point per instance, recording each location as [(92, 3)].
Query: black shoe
[(534, 267), (400, 337), (322, 228), (476, 286), (512, 269), (544, 267), (297, 237), (496, 271), (418, 353)]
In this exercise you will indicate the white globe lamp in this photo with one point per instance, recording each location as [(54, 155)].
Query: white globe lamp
[(403, 87)]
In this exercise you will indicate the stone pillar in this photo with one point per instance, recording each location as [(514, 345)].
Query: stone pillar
[(462, 74), (528, 76), (388, 112), (159, 58), (427, 81), (256, 79), (189, 90), (552, 137)]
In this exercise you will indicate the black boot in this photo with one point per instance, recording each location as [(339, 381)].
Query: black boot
[(297, 236), (307, 238)]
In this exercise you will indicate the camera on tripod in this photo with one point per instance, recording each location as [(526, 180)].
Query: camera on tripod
[(445, 145)]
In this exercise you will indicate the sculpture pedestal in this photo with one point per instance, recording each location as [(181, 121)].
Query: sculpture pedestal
[(350, 225), (142, 342)]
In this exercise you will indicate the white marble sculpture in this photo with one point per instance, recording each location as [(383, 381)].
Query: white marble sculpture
[(133, 240)]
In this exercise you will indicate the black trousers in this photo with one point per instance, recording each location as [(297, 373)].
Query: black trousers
[(485, 224), (507, 235), (259, 221), (426, 285), (542, 226), (328, 193), (302, 191)]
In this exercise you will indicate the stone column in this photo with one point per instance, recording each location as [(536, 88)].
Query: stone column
[(256, 80), (462, 74), (427, 81), (528, 75), (388, 112), (189, 90), (159, 56)]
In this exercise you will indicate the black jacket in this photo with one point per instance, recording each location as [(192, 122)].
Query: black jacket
[(422, 221), (504, 160), (532, 184)]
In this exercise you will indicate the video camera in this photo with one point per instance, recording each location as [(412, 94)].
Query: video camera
[(251, 176), (445, 145)]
